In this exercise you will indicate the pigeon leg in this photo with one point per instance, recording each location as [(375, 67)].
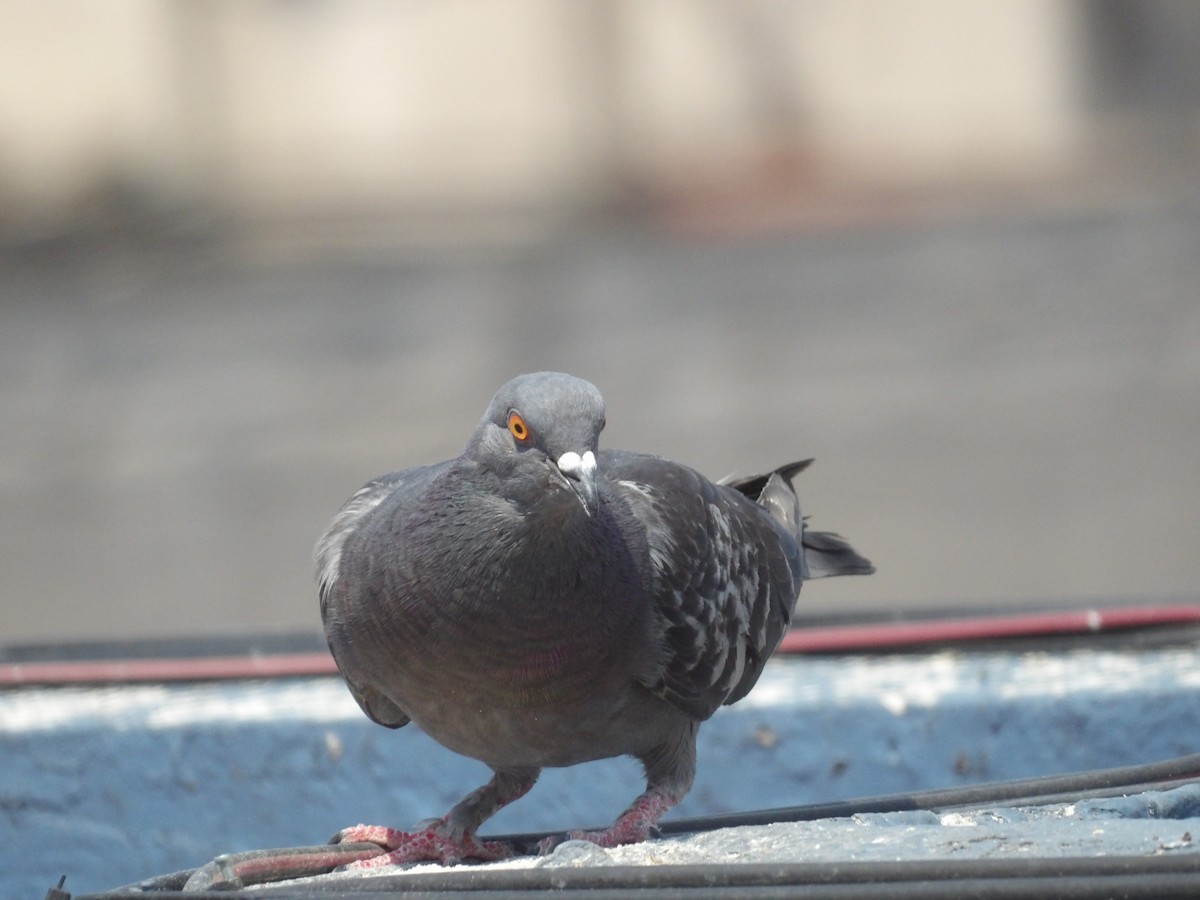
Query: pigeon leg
[(450, 839), (631, 827), (670, 771)]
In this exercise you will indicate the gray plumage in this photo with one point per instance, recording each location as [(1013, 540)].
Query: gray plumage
[(539, 602)]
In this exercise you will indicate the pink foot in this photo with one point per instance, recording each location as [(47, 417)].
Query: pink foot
[(433, 844), (632, 827)]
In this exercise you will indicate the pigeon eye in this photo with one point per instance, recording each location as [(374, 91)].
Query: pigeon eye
[(517, 427)]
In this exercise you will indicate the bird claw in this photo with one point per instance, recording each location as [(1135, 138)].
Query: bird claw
[(636, 824), (434, 843)]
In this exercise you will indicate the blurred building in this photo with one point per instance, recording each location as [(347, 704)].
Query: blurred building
[(330, 111), (947, 247)]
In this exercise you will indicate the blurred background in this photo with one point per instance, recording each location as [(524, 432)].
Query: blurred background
[(253, 254)]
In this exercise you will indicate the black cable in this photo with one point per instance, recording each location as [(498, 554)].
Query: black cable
[(986, 879), (1147, 872), (1028, 791)]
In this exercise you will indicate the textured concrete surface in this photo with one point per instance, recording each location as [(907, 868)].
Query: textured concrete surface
[(1003, 409), (111, 785), (1142, 824)]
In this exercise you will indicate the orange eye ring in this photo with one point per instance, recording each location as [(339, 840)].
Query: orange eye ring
[(517, 427)]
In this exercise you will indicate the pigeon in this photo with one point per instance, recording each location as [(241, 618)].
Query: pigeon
[(537, 601)]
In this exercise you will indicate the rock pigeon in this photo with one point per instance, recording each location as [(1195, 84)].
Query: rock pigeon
[(537, 601)]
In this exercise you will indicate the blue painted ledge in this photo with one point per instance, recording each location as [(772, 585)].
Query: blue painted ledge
[(113, 784)]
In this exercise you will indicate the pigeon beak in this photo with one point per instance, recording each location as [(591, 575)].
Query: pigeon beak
[(580, 472)]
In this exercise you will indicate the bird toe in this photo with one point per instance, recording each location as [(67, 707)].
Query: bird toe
[(431, 844)]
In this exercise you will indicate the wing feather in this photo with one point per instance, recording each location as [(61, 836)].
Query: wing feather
[(726, 576)]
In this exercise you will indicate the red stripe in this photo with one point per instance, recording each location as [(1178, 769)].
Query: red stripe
[(145, 670), (906, 634), (843, 638)]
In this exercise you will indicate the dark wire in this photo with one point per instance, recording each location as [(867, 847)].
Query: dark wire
[(1029, 791), (1150, 876), (984, 879), (1132, 877)]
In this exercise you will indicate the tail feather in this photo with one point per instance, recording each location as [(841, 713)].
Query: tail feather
[(825, 553), (829, 554), (752, 485)]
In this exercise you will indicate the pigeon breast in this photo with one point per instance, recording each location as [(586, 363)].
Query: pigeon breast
[(481, 620)]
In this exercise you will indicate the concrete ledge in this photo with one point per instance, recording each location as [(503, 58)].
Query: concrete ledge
[(111, 785)]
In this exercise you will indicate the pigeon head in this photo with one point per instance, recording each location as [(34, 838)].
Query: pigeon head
[(545, 424)]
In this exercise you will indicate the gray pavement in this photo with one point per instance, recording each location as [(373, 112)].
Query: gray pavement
[(1005, 410)]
